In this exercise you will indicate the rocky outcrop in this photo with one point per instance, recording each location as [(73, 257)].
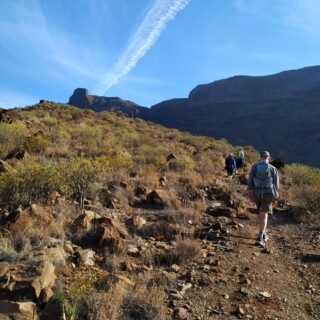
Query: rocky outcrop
[(81, 98), (17, 310), (25, 281)]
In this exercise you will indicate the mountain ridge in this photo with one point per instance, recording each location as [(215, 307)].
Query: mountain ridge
[(276, 112)]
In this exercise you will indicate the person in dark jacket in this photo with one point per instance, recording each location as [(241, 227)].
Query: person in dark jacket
[(230, 164), (263, 188)]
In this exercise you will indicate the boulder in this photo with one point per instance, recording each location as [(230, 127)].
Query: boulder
[(171, 156), (156, 197), (105, 198), (123, 185), (17, 153), (45, 295), (53, 310), (140, 191), (17, 222), (133, 251), (11, 310), (84, 256), (26, 281), (112, 234), (136, 222), (56, 255), (85, 221), (4, 268), (221, 211), (180, 313), (162, 181), (133, 174)]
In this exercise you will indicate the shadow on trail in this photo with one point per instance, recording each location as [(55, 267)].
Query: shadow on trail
[(252, 242), (283, 217), (242, 237)]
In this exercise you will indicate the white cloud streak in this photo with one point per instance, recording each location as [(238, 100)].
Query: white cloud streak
[(143, 39), (28, 29)]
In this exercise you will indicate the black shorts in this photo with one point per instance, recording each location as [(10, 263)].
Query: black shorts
[(239, 162), (229, 171)]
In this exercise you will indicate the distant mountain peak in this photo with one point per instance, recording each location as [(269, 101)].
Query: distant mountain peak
[(82, 99)]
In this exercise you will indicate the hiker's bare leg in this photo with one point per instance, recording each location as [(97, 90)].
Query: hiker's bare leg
[(263, 221)]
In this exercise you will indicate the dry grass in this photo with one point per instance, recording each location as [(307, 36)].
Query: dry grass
[(122, 303), (185, 251), (143, 303)]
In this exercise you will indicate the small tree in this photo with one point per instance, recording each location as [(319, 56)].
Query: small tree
[(79, 175)]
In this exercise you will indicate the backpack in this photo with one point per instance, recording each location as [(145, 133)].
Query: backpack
[(230, 162), (263, 178)]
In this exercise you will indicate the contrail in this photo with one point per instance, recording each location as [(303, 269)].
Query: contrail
[(146, 35)]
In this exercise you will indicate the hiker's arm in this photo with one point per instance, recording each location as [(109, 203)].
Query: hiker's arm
[(250, 182), (276, 182)]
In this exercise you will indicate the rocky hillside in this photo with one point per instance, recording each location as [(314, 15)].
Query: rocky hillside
[(279, 112), (108, 217)]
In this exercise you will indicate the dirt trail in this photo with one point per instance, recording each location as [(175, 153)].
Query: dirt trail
[(237, 279)]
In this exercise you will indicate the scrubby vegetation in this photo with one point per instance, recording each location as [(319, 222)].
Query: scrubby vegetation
[(67, 149), (303, 183), (132, 191)]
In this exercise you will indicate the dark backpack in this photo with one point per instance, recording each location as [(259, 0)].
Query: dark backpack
[(230, 162)]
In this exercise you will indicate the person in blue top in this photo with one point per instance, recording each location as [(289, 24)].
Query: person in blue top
[(240, 159), (230, 164), (263, 188)]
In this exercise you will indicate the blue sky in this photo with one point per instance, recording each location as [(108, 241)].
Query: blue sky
[(147, 50)]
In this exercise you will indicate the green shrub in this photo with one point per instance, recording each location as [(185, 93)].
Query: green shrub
[(304, 184), (299, 174), (12, 136), (29, 182), (152, 156), (37, 143), (309, 197), (181, 164)]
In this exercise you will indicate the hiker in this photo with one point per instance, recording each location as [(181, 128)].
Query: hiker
[(240, 159), (230, 164), (263, 189)]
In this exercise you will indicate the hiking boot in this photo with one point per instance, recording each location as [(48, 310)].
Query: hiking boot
[(260, 239), (265, 237)]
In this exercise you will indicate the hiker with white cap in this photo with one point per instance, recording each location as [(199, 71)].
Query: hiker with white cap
[(230, 164), (263, 188)]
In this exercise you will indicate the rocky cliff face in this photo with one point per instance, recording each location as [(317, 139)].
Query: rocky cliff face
[(81, 98), (277, 112)]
